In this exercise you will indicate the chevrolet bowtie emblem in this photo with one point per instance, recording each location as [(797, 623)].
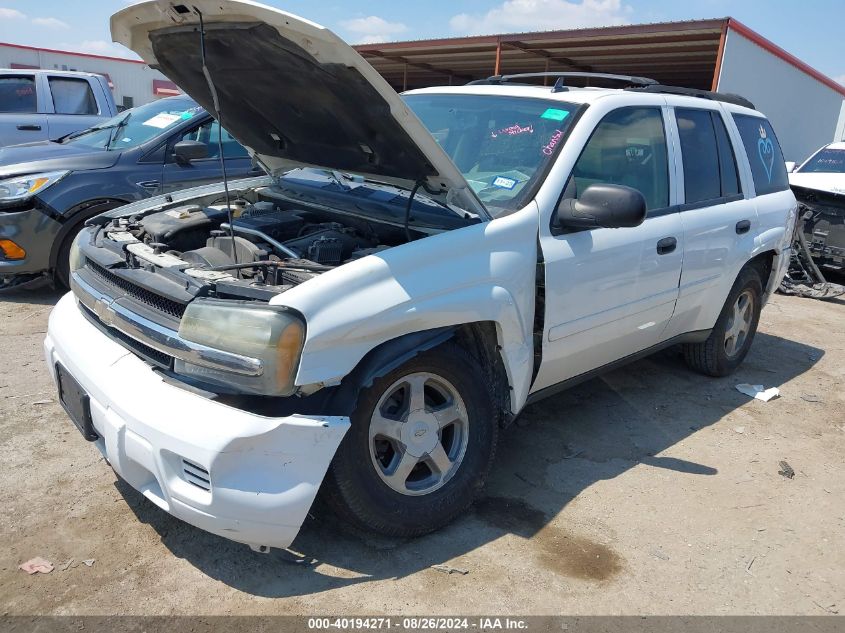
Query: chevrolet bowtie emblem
[(104, 311)]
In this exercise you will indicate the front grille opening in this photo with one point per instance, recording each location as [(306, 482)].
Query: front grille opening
[(156, 302), (196, 475)]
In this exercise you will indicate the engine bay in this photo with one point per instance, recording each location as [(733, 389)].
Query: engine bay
[(272, 243)]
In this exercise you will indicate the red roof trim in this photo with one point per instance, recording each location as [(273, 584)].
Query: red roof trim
[(789, 58), (88, 55)]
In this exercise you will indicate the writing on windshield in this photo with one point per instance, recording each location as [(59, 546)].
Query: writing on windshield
[(500, 144)]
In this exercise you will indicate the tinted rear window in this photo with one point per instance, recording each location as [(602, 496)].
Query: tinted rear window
[(72, 96), (17, 94), (727, 158), (700, 155), (764, 154)]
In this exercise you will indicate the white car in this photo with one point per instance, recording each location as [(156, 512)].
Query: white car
[(414, 272), (823, 171)]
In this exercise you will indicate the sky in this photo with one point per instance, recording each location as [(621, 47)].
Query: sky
[(809, 29)]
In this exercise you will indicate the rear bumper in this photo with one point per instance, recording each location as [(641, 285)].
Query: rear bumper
[(780, 266), (262, 473), (35, 232)]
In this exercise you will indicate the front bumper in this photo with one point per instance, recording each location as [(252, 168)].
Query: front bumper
[(35, 232), (262, 473)]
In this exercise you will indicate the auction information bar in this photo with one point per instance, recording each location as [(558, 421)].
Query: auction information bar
[(492, 623)]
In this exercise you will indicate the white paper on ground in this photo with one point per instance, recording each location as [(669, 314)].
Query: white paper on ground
[(758, 391)]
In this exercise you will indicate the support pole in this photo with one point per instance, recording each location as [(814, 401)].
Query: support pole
[(498, 68)]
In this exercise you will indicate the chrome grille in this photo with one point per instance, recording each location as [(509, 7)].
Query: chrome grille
[(144, 351)]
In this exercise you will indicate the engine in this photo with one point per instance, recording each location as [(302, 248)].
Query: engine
[(302, 241)]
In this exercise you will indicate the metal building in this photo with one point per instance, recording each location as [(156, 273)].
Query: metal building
[(806, 108), (132, 82)]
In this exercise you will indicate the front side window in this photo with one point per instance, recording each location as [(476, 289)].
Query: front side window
[(72, 96), (627, 148), (764, 154), (826, 161), (207, 133), (17, 94), (502, 145)]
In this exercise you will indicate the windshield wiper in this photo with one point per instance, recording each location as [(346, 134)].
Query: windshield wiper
[(90, 130), (119, 126)]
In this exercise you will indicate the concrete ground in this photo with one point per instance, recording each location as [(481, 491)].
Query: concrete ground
[(652, 490)]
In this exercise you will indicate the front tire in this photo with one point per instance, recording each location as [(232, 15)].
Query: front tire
[(731, 338), (420, 447), (61, 275)]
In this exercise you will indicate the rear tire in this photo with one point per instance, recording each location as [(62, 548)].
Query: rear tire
[(731, 338), (420, 447)]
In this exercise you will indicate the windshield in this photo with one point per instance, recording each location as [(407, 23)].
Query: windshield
[(500, 144), (829, 161), (138, 125)]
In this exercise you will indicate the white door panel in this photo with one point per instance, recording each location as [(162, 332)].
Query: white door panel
[(609, 294), (714, 253)]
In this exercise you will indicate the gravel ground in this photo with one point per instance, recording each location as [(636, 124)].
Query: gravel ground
[(652, 490)]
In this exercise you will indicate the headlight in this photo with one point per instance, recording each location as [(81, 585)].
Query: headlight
[(272, 335), (77, 259), (23, 187)]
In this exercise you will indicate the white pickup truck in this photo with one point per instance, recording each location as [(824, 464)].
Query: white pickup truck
[(40, 105), (414, 272)]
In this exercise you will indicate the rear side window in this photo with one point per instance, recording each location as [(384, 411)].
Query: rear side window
[(709, 164), (17, 94), (764, 154), (727, 158), (627, 148), (72, 96), (700, 155)]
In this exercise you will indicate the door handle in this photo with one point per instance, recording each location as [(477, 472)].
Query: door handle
[(666, 245), (743, 226), (29, 128)]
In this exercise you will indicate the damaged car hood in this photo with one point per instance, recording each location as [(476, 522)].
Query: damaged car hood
[(829, 182), (291, 91)]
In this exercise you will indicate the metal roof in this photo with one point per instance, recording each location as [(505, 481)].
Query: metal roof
[(679, 53)]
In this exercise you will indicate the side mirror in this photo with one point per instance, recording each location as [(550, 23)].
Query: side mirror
[(790, 166), (602, 205), (186, 151)]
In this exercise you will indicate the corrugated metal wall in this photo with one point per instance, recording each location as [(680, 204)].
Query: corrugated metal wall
[(805, 112), (130, 79)]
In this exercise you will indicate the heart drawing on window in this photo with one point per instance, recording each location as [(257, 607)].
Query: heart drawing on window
[(766, 149)]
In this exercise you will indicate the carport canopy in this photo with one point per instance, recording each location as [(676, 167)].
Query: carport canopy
[(675, 53)]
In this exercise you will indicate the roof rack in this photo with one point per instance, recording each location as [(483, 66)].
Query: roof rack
[(560, 79), (640, 84), (694, 92)]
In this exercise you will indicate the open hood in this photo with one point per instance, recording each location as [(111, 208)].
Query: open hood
[(291, 91)]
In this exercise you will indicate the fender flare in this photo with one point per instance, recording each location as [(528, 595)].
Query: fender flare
[(383, 359)]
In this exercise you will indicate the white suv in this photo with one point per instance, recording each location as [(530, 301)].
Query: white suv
[(414, 272)]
